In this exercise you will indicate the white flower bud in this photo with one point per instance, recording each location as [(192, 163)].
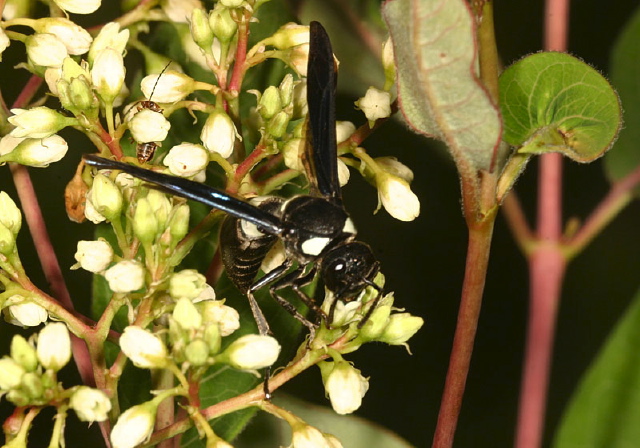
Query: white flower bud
[(186, 159), (206, 294), (91, 213), (305, 436), (39, 152), (299, 59), (143, 348), (171, 86), (187, 283), (343, 173), (94, 256), (110, 36), (4, 42), (252, 352), (375, 104), (179, 11), (107, 74), (186, 314), (401, 327), (219, 134), (79, 6), (215, 312), (344, 313), (344, 384), (106, 197), (134, 426), (149, 126), (289, 35), (392, 166), (10, 216), (27, 314), (24, 353), (45, 50), (344, 130), (91, 405), (7, 240), (125, 276), (397, 198), (75, 38), (332, 441), (292, 153), (38, 122), (10, 374), (54, 346), (8, 143)]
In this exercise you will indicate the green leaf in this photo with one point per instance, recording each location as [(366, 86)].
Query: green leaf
[(605, 410), (625, 72), (438, 86), (554, 102), (353, 432)]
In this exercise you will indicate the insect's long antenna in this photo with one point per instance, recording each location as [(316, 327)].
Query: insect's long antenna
[(158, 79)]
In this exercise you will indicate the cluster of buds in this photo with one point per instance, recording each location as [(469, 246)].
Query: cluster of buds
[(28, 376)]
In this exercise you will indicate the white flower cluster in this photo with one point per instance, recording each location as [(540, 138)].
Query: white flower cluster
[(28, 375)]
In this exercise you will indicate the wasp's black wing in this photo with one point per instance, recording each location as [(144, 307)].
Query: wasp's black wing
[(321, 154), (198, 192)]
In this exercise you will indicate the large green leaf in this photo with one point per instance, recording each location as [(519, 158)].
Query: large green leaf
[(554, 102), (605, 410), (438, 86), (625, 73)]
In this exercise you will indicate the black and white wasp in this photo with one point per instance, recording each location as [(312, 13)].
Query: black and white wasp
[(317, 233)]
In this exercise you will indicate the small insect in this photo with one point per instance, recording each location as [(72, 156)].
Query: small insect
[(145, 151), (317, 233)]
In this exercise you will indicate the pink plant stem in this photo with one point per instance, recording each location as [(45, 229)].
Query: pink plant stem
[(547, 266)]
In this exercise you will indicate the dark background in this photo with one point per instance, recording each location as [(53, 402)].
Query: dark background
[(424, 260)]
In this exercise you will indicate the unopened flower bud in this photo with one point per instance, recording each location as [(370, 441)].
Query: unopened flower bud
[(293, 152), (289, 35), (7, 240), (392, 166), (93, 256), (171, 86), (186, 314), (45, 50), (213, 338), (75, 38), (388, 64), (375, 325), (231, 3), (10, 373), (161, 206), (107, 74), (344, 384), (38, 152), (179, 222), (110, 36), (32, 385), (27, 314), (344, 130), (277, 126), (79, 6), (10, 217), (187, 283), (82, 97), (397, 198), (299, 59), (219, 134), (300, 106), (125, 276), (375, 104), (343, 173), (143, 348), (286, 90), (305, 436), (401, 327), (38, 122), (270, 102), (200, 29), (145, 223), (24, 353), (226, 318), (106, 197), (134, 426), (91, 405), (186, 159), (197, 352), (222, 24), (149, 126), (91, 213), (252, 352), (54, 346), (179, 11)]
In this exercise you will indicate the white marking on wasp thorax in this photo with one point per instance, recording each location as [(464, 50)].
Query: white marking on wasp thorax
[(314, 246), (250, 229), (349, 227)]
